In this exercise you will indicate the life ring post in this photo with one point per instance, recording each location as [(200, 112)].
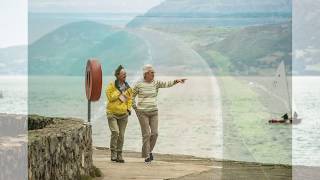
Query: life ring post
[(93, 83), (89, 111)]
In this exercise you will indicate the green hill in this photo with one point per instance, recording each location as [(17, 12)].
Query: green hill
[(205, 13), (196, 7), (235, 37), (66, 50), (251, 50)]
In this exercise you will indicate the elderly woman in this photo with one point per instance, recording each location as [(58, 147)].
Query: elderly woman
[(119, 95), (146, 108)]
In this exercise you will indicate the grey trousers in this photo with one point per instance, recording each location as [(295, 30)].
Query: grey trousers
[(149, 130), (117, 125)]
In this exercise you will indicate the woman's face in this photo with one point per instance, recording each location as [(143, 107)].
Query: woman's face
[(149, 76), (122, 75)]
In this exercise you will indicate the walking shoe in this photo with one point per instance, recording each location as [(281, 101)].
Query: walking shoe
[(119, 158), (113, 156), (147, 160), (151, 157)]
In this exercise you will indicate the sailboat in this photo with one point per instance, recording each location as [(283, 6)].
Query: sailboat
[(281, 87)]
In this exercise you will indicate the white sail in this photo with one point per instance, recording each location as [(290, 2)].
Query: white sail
[(281, 89)]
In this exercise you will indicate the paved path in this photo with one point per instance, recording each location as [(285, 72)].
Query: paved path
[(183, 167), (135, 168)]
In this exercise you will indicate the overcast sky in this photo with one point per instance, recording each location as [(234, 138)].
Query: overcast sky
[(13, 13), (114, 6), (13, 22), (14, 19)]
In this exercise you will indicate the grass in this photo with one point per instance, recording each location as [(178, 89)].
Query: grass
[(96, 172), (220, 61), (85, 178), (200, 36)]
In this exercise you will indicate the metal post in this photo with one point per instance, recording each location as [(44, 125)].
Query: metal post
[(89, 110)]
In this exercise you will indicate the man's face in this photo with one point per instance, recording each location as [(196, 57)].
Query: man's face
[(150, 75), (122, 75)]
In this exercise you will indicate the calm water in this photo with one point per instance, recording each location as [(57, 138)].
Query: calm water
[(306, 136), (15, 94), (188, 122)]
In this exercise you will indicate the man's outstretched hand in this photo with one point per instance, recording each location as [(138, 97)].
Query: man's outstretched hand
[(180, 80)]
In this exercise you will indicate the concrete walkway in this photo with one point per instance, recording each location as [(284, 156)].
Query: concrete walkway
[(183, 167), (135, 168)]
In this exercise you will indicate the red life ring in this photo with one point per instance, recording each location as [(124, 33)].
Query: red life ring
[(93, 80)]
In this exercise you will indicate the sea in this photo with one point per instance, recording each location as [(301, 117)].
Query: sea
[(188, 122), (190, 115)]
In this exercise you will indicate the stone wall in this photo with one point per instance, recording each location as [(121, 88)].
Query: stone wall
[(12, 125), (59, 148), (39, 122), (13, 146)]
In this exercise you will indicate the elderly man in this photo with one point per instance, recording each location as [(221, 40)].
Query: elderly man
[(146, 108), (119, 95)]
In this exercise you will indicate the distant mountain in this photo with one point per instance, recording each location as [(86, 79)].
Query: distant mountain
[(66, 50), (196, 7), (306, 46), (13, 60), (215, 13), (261, 33), (306, 25), (39, 24), (251, 50)]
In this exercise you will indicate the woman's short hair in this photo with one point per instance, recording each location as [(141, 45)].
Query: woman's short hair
[(117, 71)]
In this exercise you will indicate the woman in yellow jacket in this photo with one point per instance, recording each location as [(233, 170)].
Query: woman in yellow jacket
[(119, 103)]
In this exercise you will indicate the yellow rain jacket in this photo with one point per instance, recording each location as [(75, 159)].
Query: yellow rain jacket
[(114, 104)]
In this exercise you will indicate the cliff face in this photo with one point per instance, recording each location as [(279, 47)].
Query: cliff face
[(59, 148)]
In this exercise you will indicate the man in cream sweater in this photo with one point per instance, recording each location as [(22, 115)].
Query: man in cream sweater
[(147, 110)]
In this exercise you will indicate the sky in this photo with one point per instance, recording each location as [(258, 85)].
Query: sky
[(14, 18), (13, 23), (111, 6)]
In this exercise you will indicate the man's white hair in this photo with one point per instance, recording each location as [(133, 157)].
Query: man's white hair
[(147, 68)]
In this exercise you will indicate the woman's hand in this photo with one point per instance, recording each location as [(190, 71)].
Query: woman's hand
[(129, 112), (123, 97)]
